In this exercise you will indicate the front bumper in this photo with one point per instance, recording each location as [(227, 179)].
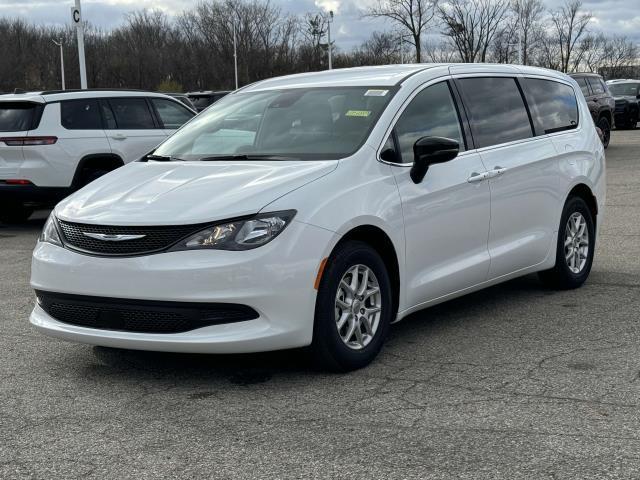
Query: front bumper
[(276, 280)]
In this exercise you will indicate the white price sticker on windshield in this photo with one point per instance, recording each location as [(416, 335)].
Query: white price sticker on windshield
[(376, 93)]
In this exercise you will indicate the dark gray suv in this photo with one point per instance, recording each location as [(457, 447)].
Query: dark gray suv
[(600, 101)]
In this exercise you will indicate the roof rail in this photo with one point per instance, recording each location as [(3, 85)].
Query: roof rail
[(76, 90)]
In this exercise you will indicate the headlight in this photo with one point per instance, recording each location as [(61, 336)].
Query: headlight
[(239, 235), (50, 232)]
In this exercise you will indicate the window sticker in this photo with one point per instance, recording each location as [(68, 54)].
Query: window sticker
[(358, 113), (375, 93)]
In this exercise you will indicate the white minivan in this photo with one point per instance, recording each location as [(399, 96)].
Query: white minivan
[(314, 210), (55, 142)]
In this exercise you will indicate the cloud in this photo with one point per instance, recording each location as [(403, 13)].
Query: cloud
[(610, 16)]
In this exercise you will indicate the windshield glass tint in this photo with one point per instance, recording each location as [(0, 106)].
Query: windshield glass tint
[(307, 124), (16, 117), (624, 89)]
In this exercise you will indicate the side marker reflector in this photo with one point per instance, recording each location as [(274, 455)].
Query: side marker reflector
[(323, 264)]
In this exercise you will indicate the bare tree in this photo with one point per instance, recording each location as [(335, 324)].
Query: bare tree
[(528, 14), (412, 15), (570, 24), (472, 25), (619, 53)]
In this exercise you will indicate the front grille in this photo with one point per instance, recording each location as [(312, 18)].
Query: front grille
[(141, 316), (154, 239)]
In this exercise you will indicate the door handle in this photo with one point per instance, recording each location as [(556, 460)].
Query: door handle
[(478, 177), (119, 136), (496, 172)]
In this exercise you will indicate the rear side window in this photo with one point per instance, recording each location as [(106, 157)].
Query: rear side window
[(172, 114), (131, 113), (17, 116), (596, 85), (496, 109), (432, 113), (582, 82), (80, 115), (553, 105)]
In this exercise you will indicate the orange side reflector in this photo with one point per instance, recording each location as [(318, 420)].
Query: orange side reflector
[(323, 264)]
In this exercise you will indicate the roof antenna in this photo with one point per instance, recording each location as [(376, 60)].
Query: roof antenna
[(18, 90)]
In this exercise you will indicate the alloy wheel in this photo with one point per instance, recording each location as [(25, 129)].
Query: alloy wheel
[(576, 243), (358, 307)]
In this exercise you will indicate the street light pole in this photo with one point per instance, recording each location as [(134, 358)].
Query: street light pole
[(76, 18), (329, 22), (235, 55), (59, 44)]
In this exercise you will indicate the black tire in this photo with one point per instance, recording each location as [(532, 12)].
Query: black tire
[(605, 126), (14, 212), (328, 350), (89, 175), (561, 276)]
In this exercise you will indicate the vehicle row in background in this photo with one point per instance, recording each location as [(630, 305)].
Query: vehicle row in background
[(626, 94), (54, 142)]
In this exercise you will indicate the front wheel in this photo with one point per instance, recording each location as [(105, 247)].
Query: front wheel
[(575, 248), (604, 125), (353, 308)]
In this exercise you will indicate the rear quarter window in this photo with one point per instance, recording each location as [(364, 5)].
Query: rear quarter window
[(18, 116), (80, 115), (597, 86), (553, 105)]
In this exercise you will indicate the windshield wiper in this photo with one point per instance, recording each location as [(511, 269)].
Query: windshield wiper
[(162, 158), (223, 158)]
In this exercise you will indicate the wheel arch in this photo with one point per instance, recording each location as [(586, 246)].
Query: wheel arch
[(583, 191), (103, 161), (378, 239), (606, 114)]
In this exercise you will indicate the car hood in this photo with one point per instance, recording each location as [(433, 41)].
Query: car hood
[(171, 193)]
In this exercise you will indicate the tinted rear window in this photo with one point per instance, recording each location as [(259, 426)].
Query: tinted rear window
[(80, 115), (132, 113), (496, 109), (553, 105), (17, 116)]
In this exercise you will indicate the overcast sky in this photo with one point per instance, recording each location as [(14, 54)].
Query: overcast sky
[(611, 16)]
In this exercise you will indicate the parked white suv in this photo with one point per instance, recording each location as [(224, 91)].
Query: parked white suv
[(52, 143), (317, 209)]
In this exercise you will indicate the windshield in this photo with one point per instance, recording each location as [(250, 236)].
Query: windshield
[(302, 124), (624, 89)]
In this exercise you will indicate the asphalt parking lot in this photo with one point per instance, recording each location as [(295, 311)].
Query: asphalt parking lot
[(513, 382)]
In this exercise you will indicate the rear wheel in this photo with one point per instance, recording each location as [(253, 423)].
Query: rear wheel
[(89, 175), (12, 212), (605, 126), (575, 248), (353, 308)]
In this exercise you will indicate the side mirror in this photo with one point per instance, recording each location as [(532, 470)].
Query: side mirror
[(429, 151)]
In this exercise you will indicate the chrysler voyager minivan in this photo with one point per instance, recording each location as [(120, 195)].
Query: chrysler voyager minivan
[(315, 210)]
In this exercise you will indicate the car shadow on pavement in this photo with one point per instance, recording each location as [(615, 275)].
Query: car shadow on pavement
[(248, 369), (34, 224)]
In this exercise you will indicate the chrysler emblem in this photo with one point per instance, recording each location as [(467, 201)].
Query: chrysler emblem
[(109, 237)]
